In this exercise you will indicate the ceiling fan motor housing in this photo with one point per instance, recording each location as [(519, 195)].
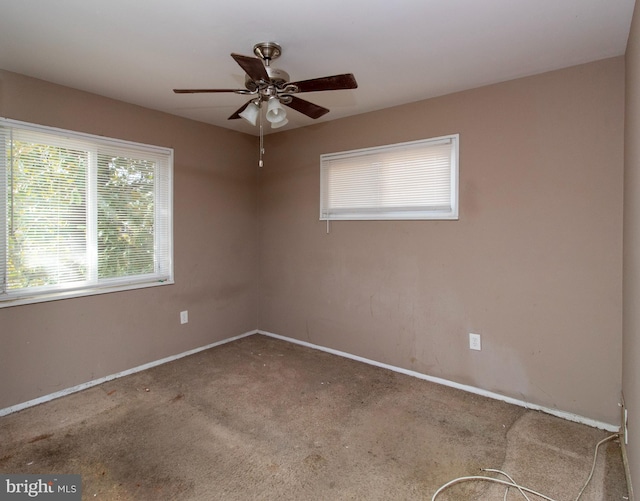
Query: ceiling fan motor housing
[(277, 77)]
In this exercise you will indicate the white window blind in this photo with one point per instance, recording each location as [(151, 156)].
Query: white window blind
[(415, 180), (81, 214)]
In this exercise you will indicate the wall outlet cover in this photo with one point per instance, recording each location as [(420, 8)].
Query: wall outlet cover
[(475, 342)]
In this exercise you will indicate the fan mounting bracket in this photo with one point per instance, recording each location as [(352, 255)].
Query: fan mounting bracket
[(267, 51)]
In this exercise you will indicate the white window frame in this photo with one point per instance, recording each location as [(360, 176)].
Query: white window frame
[(349, 205), (163, 234)]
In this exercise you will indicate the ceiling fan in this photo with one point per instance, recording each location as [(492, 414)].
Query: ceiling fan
[(270, 85)]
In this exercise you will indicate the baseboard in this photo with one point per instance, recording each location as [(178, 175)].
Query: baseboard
[(95, 382), (471, 389), (627, 471), (623, 448)]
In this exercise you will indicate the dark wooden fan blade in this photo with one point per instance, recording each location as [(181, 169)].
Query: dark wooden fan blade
[(305, 107), (252, 67), (238, 111), (196, 91), (336, 82)]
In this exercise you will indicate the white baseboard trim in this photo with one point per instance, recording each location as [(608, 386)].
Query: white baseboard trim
[(471, 389), (627, 470), (95, 382), (623, 447)]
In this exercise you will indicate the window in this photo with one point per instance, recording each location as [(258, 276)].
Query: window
[(81, 214), (415, 180)]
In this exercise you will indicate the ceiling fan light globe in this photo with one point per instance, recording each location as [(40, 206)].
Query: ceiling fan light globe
[(250, 113), (281, 123), (275, 112)]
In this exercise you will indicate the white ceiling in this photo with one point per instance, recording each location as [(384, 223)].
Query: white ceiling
[(400, 51)]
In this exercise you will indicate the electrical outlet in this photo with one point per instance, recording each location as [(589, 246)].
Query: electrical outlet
[(475, 342), (184, 317)]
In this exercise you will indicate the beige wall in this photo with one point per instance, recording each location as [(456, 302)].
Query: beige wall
[(534, 264), (631, 337), (51, 346)]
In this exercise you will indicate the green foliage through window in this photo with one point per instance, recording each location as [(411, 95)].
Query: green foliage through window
[(47, 223), (125, 216), (78, 215)]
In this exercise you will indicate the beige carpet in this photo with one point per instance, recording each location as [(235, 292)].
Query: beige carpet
[(262, 419)]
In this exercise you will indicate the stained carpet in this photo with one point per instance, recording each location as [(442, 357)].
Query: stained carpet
[(263, 419)]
